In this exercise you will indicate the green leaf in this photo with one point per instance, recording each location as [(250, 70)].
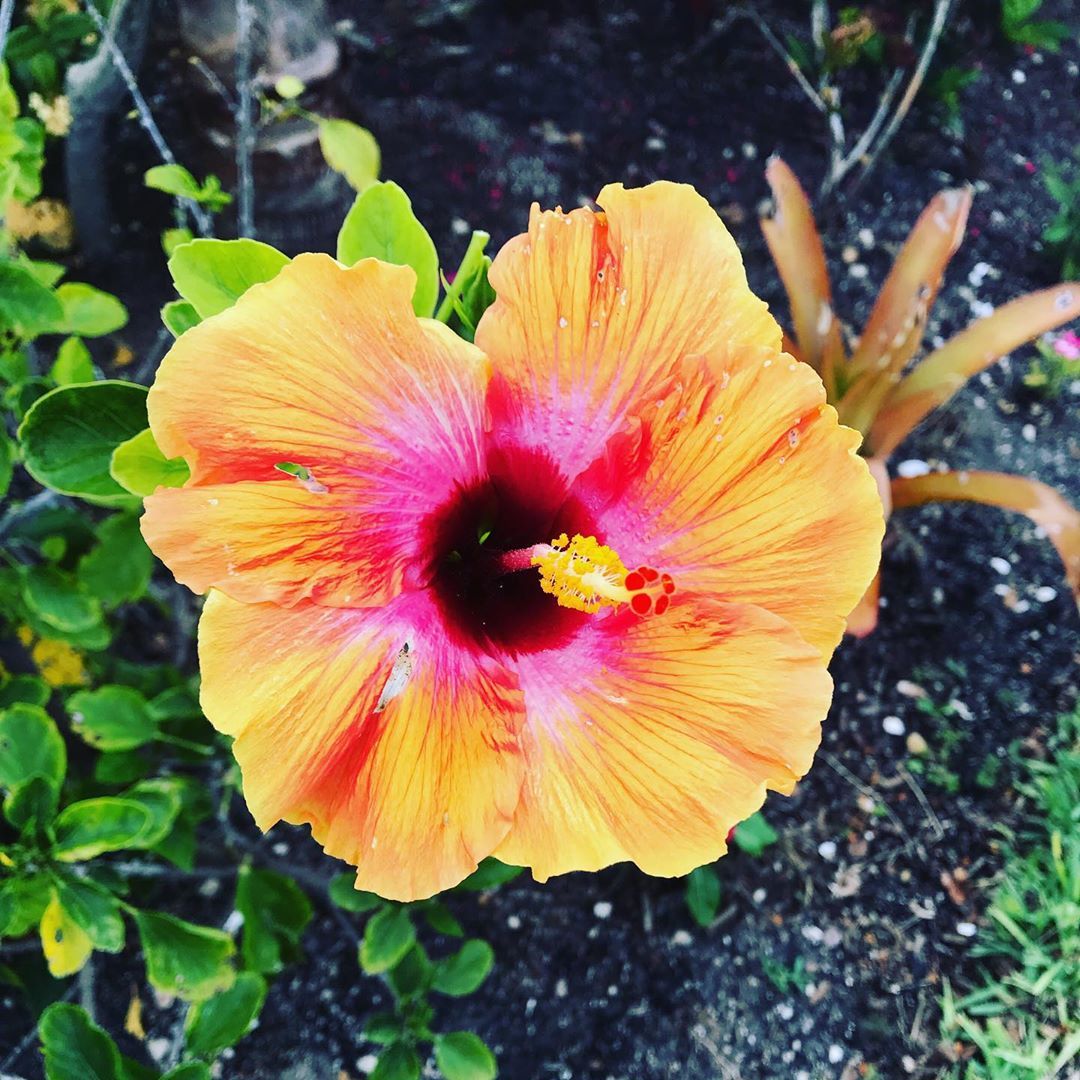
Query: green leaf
[(88, 828), (23, 901), (30, 745), (95, 911), (190, 1070), (388, 936), (703, 894), (112, 717), (140, 467), (382, 225), (59, 600), (171, 239), (754, 835), (179, 315), (346, 895), (439, 917), (31, 806), (276, 912), (24, 689), (461, 1055), (398, 1063), (224, 1019), (350, 150), (173, 180), (163, 799), (490, 874), (8, 454), (73, 363), (384, 1028), (75, 1048), (68, 437), (118, 569), (184, 959), (412, 975), (89, 311), (464, 971), (25, 303), (212, 274)]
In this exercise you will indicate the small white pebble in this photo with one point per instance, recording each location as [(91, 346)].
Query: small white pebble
[(1045, 593), (157, 1048), (513, 922), (911, 468), (367, 1064), (1029, 432), (233, 923), (827, 849), (459, 226), (749, 151), (681, 937), (866, 237), (813, 934), (858, 270), (655, 143), (893, 725), (836, 1054), (1002, 566), (1019, 77), (601, 909), (759, 896), (562, 988), (785, 1011), (966, 929)]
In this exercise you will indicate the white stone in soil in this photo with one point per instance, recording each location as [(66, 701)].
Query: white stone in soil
[(893, 725)]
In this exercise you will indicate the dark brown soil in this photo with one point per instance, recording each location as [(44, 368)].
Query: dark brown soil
[(607, 976)]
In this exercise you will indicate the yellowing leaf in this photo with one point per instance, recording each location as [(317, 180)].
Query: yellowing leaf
[(350, 150), (66, 947)]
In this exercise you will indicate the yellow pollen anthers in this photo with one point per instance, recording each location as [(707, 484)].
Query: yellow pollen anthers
[(585, 575)]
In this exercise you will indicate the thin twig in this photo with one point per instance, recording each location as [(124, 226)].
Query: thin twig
[(245, 127), (43, 500), (87, 998), (7, 11), (23, 1044), (937, 28), (214, 82), (146, 118), (862, 144)]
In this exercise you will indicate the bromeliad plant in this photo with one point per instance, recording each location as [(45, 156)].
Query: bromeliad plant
[(872, 386)]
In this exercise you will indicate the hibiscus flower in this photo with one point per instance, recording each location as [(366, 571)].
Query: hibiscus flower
[(565, 597)]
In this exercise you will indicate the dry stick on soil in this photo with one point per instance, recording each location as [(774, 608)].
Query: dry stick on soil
[(245, 128), (142, 109)]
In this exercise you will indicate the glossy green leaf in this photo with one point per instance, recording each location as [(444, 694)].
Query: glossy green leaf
[(22, 903), (75, 1048), (346, 895), (112, 717), (399, 1062), (213, 274), (88, 311), (439, 917), (382, 225), (224, 1019), (25, 303), (184, 959), (163, 799), (118, 569), (95, 911), (73, 363), (179, 315), (755, 834), (59, 600), (464, 971), (276, 912), (388, 936), (703, 894), (93, 826), (30, 745), (140, 467), (8, 454), (490, 874), (24, 689), (69, 435), (461, 1055), (173, 180), (412, 974), (350, 150)]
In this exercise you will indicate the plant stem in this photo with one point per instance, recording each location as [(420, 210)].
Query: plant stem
[(245, 128), (7, 10)]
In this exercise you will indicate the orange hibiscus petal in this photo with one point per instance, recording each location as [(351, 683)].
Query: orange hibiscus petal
[(327, 368), (591, 306), (747, 488), (648, 739), (405, 765)]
